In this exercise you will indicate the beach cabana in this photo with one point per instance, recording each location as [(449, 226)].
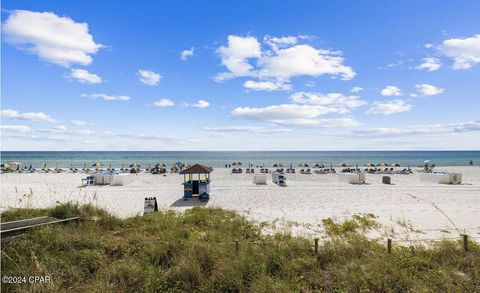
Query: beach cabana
[(196, 181)]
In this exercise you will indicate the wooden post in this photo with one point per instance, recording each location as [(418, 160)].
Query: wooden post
[(237, 246), (465, 242), (389, 245), (316, 245)]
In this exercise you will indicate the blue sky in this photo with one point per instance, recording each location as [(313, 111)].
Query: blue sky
[(295, 75)]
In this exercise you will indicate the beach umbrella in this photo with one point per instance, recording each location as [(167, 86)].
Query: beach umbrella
[(160, 165), (395, 165), (15, 163), (426, 161), (110, 167), (5, 166), (276, 165), (236, 163), (344, 165), (179, 163), (370, 165), (97, 165), (303, 165), (319, 165), (382, 164), (135, 166)]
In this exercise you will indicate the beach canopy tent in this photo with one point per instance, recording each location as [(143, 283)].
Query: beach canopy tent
[(194, 184)]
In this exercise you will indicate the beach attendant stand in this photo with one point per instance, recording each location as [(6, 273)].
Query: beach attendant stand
[(196, 181)]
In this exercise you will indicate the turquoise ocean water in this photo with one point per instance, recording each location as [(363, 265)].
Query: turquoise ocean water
[(220, 158)]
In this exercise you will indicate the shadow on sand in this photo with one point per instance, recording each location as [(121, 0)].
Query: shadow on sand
[(191, 202)]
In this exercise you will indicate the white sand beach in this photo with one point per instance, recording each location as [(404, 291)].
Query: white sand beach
[(408, 209)]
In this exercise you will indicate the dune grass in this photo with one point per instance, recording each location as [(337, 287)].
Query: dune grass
[(196, 251)]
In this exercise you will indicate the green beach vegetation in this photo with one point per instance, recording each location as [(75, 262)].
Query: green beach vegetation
[(216, 250)]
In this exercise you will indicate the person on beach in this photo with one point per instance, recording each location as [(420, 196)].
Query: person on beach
[(471, 162)]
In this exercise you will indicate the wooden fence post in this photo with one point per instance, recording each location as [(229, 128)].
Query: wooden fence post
[(316, 245), (389, 245), (237, 246), (465, 242)]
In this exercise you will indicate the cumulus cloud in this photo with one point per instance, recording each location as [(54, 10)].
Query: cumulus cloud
[(356, 90), (293, 115), (148, 77), (428, 89), (84, 76), (185, 54), (388, 108), (250, 129), (337, 101), (429, 64), (162, 103), (78, 122), (267, 85), (31, 116), (16, 128), (106, 97), (55, 39), (283, 59), (199, 104), (465, 52), (391, 90)]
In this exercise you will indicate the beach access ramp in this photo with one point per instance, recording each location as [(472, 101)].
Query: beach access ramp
[(14, 229)]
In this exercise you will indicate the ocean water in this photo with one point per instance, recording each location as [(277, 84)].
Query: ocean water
[(220, 158)]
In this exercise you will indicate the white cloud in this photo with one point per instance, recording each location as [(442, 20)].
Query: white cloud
[(303, 60), (388, 108), (200, 104), (31, 116), (60, 128), (106, 97), (84, 76), (185, 54), (337, 101), (267, 85), (465, 52), (294, 115), (356, 90), (280, 42), (55, 39), (428, 89), (243, 56), (391, 90), (428, 129), (430, 64), (428, 46), (236, 54), (250, 129), (164, 103), (16, 128), (78, 122), (149, 77)]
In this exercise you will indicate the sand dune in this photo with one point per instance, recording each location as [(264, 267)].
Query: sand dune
[(407, 209)]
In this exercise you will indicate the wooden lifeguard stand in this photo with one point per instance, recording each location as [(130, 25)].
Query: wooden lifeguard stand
[(196, 181)]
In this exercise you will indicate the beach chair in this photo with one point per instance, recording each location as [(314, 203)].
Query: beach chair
[(247, 171), (88, 181), (308, 171), (302, 171), (252, 171)]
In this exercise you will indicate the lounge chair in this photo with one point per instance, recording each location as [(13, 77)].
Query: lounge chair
[(308, 171)]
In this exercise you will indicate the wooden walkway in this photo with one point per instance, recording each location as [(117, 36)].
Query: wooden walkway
[(13, 230)]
